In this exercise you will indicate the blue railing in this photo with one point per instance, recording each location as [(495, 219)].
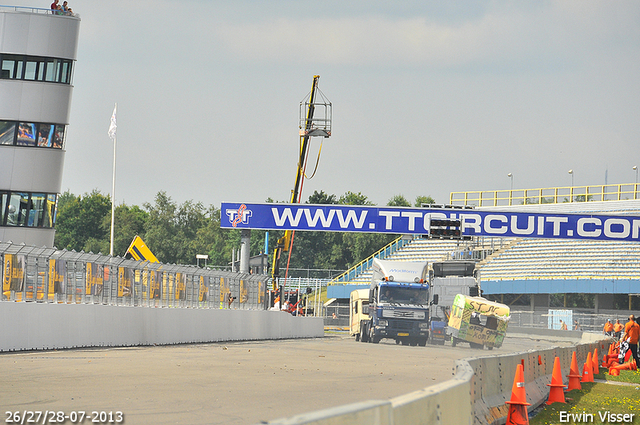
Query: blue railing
[(365, 264)]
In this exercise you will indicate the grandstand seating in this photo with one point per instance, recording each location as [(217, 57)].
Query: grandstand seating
[(417, 250), (563, 259), (530, 259), (540, 265)]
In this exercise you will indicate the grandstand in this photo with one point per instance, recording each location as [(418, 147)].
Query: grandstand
[(418, 249), (554, 259), (533, 266)]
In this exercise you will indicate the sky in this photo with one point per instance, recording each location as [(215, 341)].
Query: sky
[(428, 97)]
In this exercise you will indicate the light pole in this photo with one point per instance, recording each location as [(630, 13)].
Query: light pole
[(635, 188), (571, 172), (511, 177), (510, 191)]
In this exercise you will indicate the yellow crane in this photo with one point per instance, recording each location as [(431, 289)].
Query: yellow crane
[(312, 124)]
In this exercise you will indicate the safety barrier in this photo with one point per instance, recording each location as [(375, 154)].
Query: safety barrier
[(43, 326), (476, 395), (63, 299), (49, 275)]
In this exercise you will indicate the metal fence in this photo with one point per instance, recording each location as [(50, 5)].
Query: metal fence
[(548, 195), (49, 275), (40, 10), (337, 316), (548, 319)]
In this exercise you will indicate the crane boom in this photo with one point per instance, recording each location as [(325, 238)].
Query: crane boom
[(305, 134)]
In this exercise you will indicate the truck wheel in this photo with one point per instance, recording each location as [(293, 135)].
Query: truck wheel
[(413, 342), (358, 337), (397, 341), (489, 347), (364, 333), (375, 339), (422, 342), (454, 342), (474, 345)]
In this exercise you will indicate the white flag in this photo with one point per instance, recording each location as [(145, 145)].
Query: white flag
[(113, 126)]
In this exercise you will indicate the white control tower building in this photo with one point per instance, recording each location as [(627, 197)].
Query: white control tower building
[(37, 56)]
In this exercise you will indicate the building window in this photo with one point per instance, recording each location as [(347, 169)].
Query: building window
[(3, 206), (7, 133), (23, 209), (35, 68), (17, 209), (44, 135), (26, 134)]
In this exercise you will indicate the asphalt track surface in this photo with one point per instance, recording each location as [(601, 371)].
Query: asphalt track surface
[(229, 383)]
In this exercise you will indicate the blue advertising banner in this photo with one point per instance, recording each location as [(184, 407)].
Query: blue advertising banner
[(400, 220)]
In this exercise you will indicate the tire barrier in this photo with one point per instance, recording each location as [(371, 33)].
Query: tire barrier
[(478, 393)]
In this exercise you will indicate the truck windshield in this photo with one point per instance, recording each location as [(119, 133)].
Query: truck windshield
[(402, 295)]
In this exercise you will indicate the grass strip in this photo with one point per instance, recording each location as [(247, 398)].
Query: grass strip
[(596, 403)]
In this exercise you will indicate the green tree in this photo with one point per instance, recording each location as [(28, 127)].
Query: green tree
[(212, 240), (424, 200), (311, 249), (171, 229), (398, 201), (128, 222), (321, 198), (79, 221), (351, 198)]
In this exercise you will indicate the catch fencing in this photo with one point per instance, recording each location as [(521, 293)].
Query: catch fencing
[(49, 275)]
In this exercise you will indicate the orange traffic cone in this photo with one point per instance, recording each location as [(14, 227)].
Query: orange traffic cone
[(587, 370), (574, 374), (594, 362), (626, 366), (518, 404), (556, 393)]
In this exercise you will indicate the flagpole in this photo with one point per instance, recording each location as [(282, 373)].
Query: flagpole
[(112, 133)]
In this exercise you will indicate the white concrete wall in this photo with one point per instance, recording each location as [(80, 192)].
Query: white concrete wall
[(36, 326), (476, 395)]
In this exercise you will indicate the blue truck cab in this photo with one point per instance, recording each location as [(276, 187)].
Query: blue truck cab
[(399, 299)]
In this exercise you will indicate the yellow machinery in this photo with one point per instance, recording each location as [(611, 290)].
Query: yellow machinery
[(140, 251), (315, 120)]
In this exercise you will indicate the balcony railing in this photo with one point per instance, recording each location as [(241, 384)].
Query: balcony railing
[(551, 195), (40, 10)]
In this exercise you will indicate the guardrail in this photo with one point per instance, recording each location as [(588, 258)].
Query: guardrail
[(549, 195), (476, 394), (40, 10), (49, 275)]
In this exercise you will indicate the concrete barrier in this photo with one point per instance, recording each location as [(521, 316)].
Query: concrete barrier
[(36, 326), (476, 395)]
